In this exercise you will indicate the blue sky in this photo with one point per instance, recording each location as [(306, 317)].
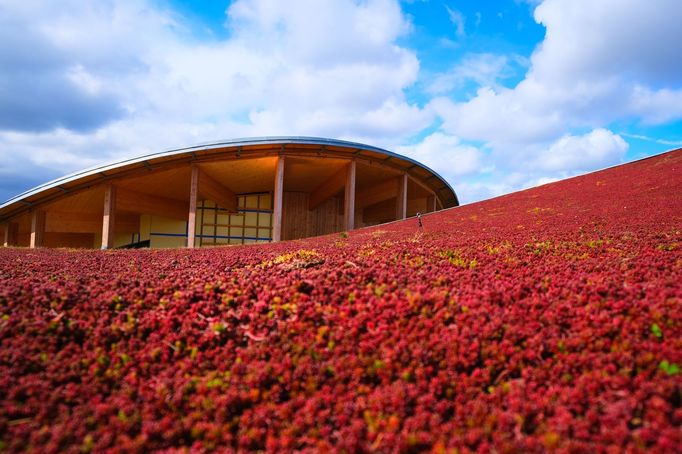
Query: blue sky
[(494, 95)]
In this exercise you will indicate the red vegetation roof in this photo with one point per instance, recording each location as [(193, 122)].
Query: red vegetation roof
[(546, 319)]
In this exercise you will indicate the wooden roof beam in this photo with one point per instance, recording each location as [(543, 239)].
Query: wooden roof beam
[(139, 202), (211, 189), (427, 188), (328, 189), (377, 193)]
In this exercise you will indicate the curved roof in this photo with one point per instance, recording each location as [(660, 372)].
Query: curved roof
[(243, 147)]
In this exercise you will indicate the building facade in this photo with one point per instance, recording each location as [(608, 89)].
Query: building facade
[(231, 192)]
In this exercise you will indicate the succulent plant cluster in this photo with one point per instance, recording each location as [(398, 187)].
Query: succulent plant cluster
[(546, 320)]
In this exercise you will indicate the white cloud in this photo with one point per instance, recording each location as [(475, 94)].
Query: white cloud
[(320, 33), (483, 69), (380, 126), (139, 81), (655, 106), (630, 39), (600, 62), (596, 149), (472, 190), (457, 19), (674, 143), (504, 119), (475, 175), (298, 56), (446, 155)]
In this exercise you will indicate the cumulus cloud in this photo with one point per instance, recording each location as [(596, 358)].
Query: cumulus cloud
[(629, 39), (599, 62), (504, 120), (125, 76), (40, 88), (476, 174), (301, 56), (446, 155), (596, 149), (469, 190)]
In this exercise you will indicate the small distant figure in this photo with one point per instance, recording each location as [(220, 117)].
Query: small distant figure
[(419, 219)]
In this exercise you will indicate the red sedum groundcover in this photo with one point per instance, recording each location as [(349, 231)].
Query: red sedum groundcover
[(545, 320)]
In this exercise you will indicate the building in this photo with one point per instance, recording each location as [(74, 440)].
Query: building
[(231, 192)]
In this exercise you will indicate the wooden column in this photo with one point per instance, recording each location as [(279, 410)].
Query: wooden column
[(109, 217), (349, 205), (37, 228), (401, 202), (11, 233), (192, 218), (277, 200)]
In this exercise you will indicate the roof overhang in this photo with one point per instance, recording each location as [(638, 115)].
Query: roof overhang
[(223, 150)]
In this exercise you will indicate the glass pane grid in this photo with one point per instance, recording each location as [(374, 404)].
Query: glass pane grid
[(251, 223)]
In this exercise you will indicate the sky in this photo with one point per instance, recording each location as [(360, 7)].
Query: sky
[(495, 96)]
